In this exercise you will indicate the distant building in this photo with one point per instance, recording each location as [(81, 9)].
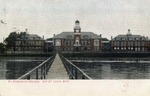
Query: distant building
[(49, 46), (30, 43), (149, 45), (77, 41), (129, 43), (105, 45)]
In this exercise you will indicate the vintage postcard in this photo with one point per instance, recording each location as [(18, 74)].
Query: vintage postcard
[(74, 47)]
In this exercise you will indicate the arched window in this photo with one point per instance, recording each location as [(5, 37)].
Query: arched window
[(77, 40)]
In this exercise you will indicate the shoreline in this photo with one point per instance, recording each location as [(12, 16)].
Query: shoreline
[(110, 54), (26, 54)]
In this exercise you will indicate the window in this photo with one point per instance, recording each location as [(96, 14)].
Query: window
[(77, 40), (130, 38), (85, 36), (117, 38), (135, 48), (97, 48), (66, 43), (142, 48), (69, 36), (123, 38), (124, 43), (142, 38), (117, 43), (121, 43), (143, 43), (136, 38), (138, 43), (77, 30), (139, 49), (131, 43), (85, 42), (40, 42), (96, 42), (70, 43)]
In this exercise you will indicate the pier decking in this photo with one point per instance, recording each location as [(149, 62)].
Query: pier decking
[(57, 70)]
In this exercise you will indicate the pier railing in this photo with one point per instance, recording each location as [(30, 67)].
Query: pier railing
[(40, 71), (73, 71)]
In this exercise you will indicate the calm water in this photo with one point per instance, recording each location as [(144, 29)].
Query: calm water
[(14, 67), (116, 70)]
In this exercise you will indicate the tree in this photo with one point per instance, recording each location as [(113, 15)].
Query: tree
[(21, 35), (2, 48), (10, 40)]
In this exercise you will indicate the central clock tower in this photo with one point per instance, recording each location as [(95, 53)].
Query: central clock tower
[(77, 36)]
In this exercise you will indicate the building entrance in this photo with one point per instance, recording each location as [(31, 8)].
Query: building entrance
[(77, 49)]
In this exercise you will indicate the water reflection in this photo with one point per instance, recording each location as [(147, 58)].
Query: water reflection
[(115, 70), (12, 68)]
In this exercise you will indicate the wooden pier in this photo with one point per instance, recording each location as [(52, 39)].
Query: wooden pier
[(57, 70)]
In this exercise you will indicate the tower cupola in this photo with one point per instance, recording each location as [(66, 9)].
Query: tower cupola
[(129, 33), (77, 28)]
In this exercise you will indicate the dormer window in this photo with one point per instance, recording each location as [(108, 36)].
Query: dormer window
[(68, 36), (123, 38), (136, 38), (130, 38), (85, 36), (118, 38), (142, 38)]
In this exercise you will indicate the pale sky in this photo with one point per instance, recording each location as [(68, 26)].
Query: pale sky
[(48, 17)]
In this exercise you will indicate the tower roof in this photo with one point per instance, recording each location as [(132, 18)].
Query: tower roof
[(129, 33), (77, 21)]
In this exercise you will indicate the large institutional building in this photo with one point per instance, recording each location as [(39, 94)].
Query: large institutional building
[(80, 41), (30, 43), (130, 43), (77, 41)]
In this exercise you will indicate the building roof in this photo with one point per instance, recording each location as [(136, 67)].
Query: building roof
[(130, 37), (88, 35), (49, 39), (77, 21), (34, 37), (105, 39), (31, 37)]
